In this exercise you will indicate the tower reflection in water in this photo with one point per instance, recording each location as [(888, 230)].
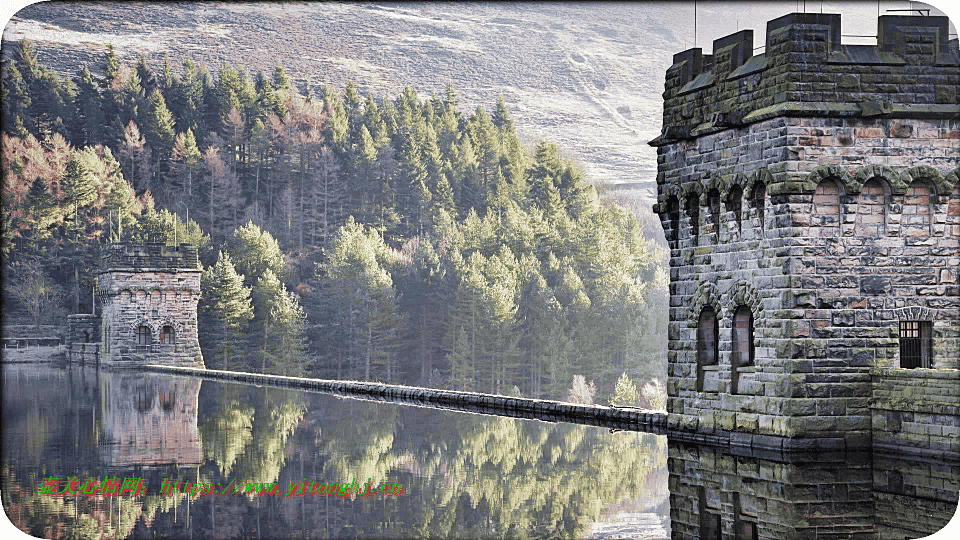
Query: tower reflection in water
[(714, 494)]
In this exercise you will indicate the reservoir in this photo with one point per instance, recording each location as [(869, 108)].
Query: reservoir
[(245, 452)]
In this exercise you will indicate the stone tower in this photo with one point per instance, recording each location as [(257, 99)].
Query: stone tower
[(149, 296), (809, 195)]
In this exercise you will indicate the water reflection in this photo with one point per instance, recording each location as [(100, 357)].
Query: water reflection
[(463, 475), (842, 495)]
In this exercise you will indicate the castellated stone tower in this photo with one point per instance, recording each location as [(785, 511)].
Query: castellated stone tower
[(810, 198), (149, 296)]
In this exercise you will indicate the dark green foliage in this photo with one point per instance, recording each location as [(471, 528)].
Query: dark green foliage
[(224, 313)]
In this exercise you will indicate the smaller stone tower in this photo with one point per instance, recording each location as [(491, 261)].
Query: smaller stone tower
[(149, 296)]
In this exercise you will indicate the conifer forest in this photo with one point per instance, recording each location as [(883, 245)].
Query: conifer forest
[(388, 238)]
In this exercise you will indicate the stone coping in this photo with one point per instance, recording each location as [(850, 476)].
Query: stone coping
[(619, 418), (915, 373)]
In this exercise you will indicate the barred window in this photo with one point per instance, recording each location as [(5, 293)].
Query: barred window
[(916, 344)]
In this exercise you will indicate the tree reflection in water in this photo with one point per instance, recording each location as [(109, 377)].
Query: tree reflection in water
[(463, 475)]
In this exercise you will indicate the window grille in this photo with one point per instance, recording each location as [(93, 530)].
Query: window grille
[(916, 344)]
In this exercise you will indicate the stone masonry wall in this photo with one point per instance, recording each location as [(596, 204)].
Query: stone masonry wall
[(806, 71), (918, 412), (913, 497)]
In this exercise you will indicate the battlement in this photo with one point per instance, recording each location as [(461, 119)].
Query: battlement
[(805, 70), (150, 256)]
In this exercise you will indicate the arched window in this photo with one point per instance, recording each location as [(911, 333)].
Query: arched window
[(825, 217), (708, 331), (166, 334), (143, 335), (742, 345), (693, 212), (759, 201), (713, 199), (735, 205), (673, 212), (871, 210)]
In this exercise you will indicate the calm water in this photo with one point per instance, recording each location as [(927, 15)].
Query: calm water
[(462, 475)]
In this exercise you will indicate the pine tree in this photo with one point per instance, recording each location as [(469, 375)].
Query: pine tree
[(625, 393), (90, 118), (501, 116), (254, 252), (79, 189), (135, 158), (223, 192), (160, 136), (226, 306), (16, 100), (185, 161)]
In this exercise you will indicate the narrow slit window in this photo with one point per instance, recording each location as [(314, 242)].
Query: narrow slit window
[(693, 212), (710, 527), (916, 344), (673, 211), (759, 201), (735, 205), (713, 199)]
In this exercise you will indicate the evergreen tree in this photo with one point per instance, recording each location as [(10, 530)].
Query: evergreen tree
[(79, 189), (160, 137), (226, 308), (185, 162), (90, 118), (254, 252), (16, 100)]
